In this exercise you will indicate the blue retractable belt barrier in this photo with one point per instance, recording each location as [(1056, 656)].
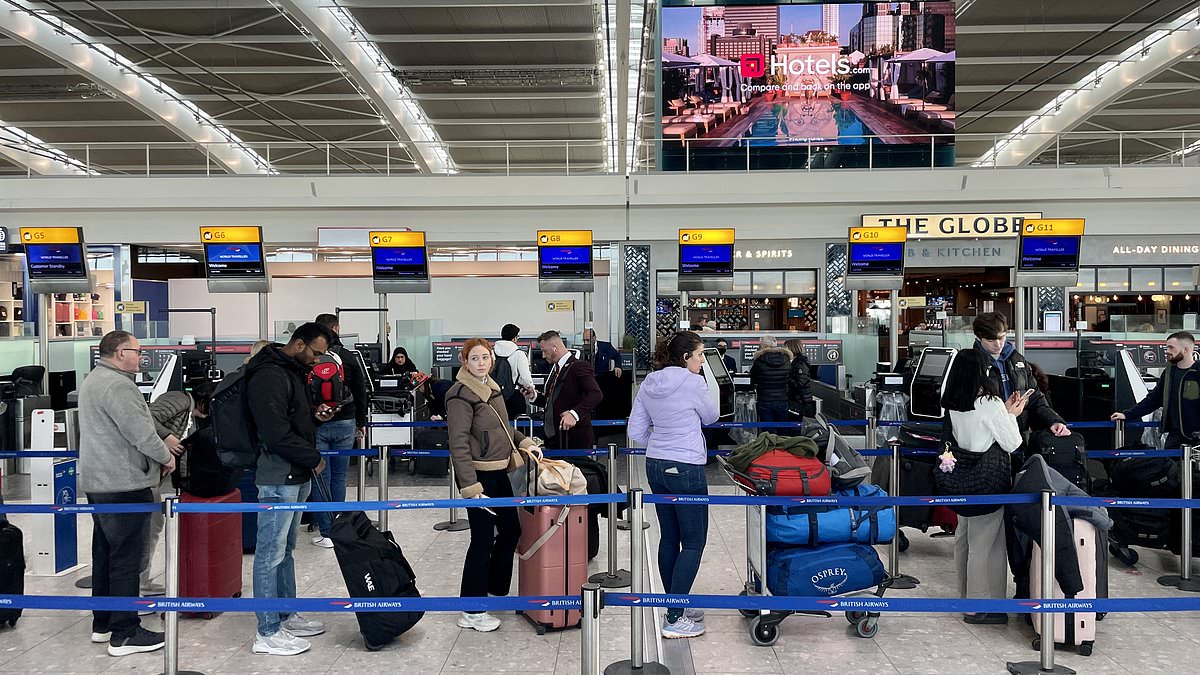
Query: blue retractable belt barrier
[(400, 505), (1134, 424), (35, 454), (66, 509), (749, 500), (289, 605), (847, 423), (924, 605), (351, 452), (1090, 425), (1124, 503), (1135, 453)]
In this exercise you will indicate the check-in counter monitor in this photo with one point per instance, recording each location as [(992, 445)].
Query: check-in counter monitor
[(720, 383), (929, 382)]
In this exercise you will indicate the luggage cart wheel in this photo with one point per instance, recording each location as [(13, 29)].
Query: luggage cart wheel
[(1037, 644), (903, 545), (1124, 554), (855, 617), (748, 613), (762, 633), (867, 628), (1085, 649)]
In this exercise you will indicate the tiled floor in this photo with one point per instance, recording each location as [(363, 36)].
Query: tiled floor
[(57, 642)]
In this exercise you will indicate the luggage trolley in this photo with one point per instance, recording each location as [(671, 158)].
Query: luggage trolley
[(764, 625)]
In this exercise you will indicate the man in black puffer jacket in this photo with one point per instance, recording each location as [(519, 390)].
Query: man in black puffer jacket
[(285, 422), (769, 376)]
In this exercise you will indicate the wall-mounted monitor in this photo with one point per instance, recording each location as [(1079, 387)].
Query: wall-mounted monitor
[(234, 259), (876, 259), (706, 259), (399, 262), (565, 261), (56, 259), (1048, 253)]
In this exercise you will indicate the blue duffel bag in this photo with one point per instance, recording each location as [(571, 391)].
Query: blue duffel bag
[(823, 571), (813, 525)]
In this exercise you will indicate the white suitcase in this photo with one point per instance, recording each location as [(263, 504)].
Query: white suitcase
[(1075, 629)]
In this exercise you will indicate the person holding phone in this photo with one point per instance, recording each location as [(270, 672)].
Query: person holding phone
[(1012, 374)]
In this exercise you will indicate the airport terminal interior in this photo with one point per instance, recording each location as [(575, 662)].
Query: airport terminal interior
[(767, 206)]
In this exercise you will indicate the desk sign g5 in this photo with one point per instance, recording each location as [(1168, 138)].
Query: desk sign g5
[(51, 235), (243, 234)]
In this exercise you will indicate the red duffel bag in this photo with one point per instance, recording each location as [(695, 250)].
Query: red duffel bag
[(779, 473)]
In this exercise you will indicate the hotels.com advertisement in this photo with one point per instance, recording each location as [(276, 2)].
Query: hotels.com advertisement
[(807, 85)]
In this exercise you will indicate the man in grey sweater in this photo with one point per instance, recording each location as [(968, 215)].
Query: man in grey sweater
[(121, 458)]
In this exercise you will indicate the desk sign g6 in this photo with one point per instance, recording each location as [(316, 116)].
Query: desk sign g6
[(242, 234)]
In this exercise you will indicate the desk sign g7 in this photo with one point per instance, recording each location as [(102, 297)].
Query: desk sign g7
[(397, 239)]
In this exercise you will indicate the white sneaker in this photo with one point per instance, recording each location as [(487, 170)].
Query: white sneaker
[(101, 638), (152, 589), (682, 628), (482, 622), (323, 542), (299, 626), (696, 615), (281, 643)]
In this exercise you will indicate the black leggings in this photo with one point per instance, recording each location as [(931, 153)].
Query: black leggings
[(489, 564)]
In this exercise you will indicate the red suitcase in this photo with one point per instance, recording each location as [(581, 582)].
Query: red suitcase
[(210, 551), (553, 560)]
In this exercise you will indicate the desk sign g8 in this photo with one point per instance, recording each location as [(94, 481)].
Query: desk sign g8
[(51, 235), (564, 237), (245, 234)]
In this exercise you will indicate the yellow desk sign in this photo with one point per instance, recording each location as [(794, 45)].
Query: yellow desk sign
[(51, 235), (912, 302), (131, 307), (1053, 227), (242, 234), (715, 236), (400, 239), (560, 306), (879, 235), (564, 237)]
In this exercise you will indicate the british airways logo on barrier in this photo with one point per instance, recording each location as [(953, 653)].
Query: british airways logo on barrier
[(816, 500), (851, 603), (690, 499), (945, 500), (635, 599), (283, 507), (553, 603), (539, 500), (1127, 502), (369, 604)]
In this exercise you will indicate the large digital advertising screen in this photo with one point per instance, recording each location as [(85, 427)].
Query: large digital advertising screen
[(806, 85)]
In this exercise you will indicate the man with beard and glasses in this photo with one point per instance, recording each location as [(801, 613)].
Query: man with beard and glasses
[(1177, 393)]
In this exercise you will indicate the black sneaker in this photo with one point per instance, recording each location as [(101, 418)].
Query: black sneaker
[(141, 641)]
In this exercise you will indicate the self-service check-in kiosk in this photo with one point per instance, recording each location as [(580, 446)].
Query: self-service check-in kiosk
[(720, 383), (929, 381), (54, 541)]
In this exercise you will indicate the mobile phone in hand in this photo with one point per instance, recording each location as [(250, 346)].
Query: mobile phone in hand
[(1027, 393)]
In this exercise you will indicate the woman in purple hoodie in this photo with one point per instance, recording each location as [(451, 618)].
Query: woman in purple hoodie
[(670, 408)]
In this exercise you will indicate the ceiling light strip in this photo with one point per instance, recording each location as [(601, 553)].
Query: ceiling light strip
[(38, 156)]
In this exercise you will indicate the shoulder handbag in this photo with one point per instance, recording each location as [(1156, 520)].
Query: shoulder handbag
[(975, 473)]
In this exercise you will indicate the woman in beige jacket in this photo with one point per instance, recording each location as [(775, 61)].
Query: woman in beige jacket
[(482, 447)]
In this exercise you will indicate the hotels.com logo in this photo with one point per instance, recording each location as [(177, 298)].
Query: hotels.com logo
[(753, 65)]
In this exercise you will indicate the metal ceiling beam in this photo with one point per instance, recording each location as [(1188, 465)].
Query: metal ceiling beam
[(158, 5), (185, 70), (483, 37), (490, 121), (1146, 60), (67, 45), (36, 156), (88, 124), (1107, 112), (1026, 88), (424, 4), (1018, 28), (507, 95), (336, 32), (1014, 59)]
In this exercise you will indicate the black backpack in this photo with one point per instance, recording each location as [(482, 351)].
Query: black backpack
[(503, 375), (233, 431)]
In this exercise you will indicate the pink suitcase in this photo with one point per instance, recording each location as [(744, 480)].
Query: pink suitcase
[(1075, 629), (553, 560)]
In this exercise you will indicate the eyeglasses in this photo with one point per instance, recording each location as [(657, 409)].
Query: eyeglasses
[(131, 349)]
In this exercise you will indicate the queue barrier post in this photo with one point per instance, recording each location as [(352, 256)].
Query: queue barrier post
[(1045, 664), (383, 486), (896, 580), (454, 524), (171, 619), (593, 603), (872, 440), (626, 523), (613, 577), (1118, 434), (1184, 581), (636, 664)]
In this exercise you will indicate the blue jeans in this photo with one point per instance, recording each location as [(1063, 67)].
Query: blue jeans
[(772, 411), (338, 435), (274, 567), (683, 528)]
